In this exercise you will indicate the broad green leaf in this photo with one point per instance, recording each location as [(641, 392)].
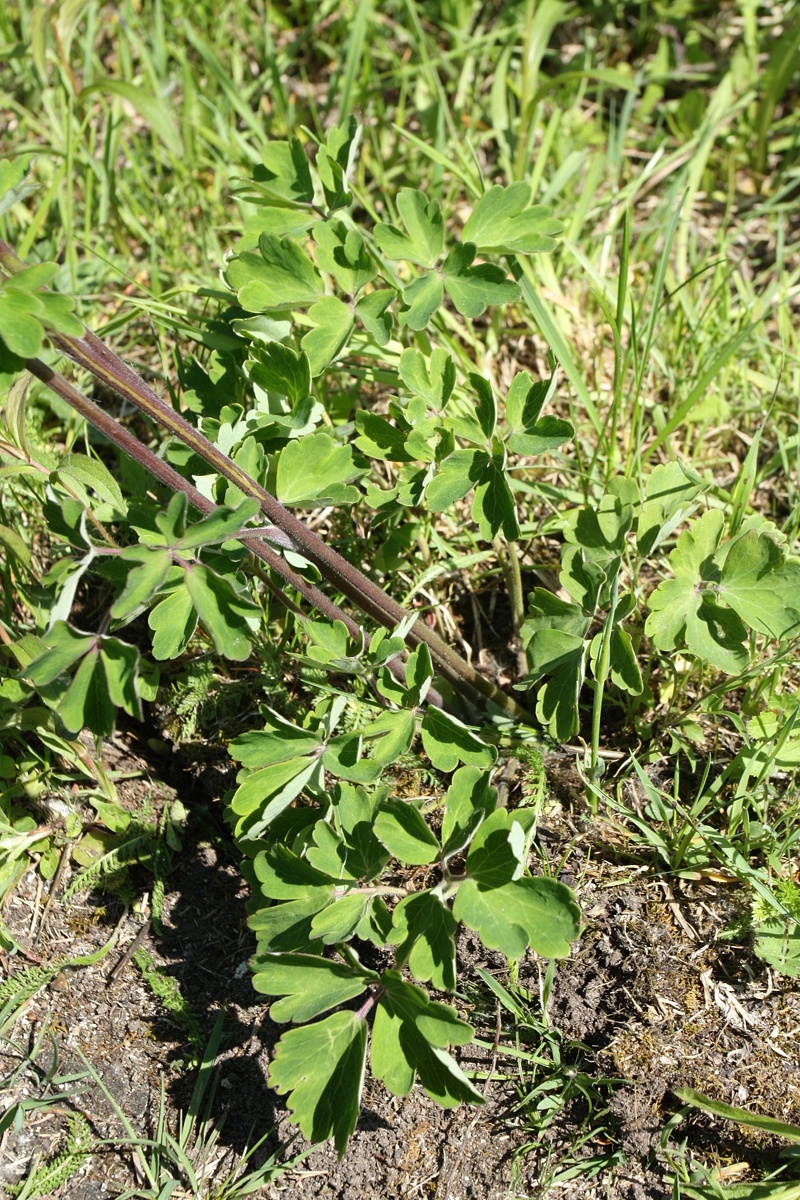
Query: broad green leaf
[(121, 665), (278, 368), (408, 1038), (321, 1066), (142, 583), (761, 586), (220, 525), (342, 253), (65, 646), (421, 299), (424, 241), (270, 790), (224, 613), (309, 985), (86, 703), (493, 507), (538, 912), (57, 313), (279, 741), (401, 828), (496, 854), (373, 312), (526, 398), (317, 469), (340, 920), (284, 875), (432, 379), (469, 799), (686, 605), (458, 473), (20, 327), (669, 493), (547, 434), (473, 289), (171, 522), (285, 172), (503, 220), (90, 472), (173, 621), (280, 275), (448, 742), (424, 929), (334, 324), (286, 927)]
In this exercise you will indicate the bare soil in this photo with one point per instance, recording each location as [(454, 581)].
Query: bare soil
[(650, 1000)]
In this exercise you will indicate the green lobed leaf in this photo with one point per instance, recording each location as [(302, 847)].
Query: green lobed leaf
[(20, 326), (408, 1038), (373, 312), (536, 912), (342, 253), (503, 220), (424, 241), (285, 172), (284, 875), (493, 507), (279, 741), (761, 585), (448, 742), (86, 704), (547, 434), (279, 276), (282, 369), (473, 289), (421, 299), (431, 378), (684, 607), (317, 469), (402, 829), (309, 985), (321, 1066), (458, 473), (334, 324), (286, 927), (336, 160), (340, 920), (469, 799), (173, 621), (224, 613), (65, 646), (497, 852), (142, 582), (378, 438), (424, 930)]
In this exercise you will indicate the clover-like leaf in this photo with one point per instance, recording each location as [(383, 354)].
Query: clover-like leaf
[(335, 161), (278, 368), (285, 174), (448, 742), (334, 324), (686, 605), (468, 801), (760, 584), (373, 312), (421, 299), (342, 253)]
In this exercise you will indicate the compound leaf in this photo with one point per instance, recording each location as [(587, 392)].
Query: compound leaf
[(536, 912), (402, 830), (448, 742), (280, 275), (317, 469), (424, 929)]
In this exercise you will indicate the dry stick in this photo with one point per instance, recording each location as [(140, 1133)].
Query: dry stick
[(94, 356), (167, 475)]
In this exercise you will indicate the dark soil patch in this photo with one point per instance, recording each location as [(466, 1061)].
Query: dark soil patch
[(650, 1000)]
